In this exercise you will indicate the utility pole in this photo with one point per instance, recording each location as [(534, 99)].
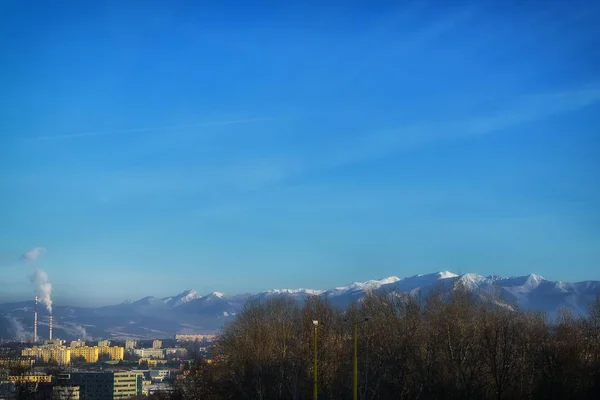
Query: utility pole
[(355, 357), (315, 388)]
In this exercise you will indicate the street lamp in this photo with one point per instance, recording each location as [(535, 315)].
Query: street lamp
[(355, 358), (315, 391)]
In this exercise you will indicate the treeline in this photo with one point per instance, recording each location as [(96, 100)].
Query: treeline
[(444, 346)]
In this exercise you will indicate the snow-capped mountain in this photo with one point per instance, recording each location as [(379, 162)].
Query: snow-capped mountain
[(182, 298), (191, 312)]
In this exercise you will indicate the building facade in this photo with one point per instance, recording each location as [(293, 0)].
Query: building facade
[(115, 352), (127, 384), (106, 385), (149, 353), (151, 362), (60, 354), (92, 385), (158, 375), (193, 338), (90, 354), (130, 344), (156, 344), (14, 362), (65, 393), (30, 378)]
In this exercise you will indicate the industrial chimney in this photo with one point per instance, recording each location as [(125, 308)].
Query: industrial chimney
[(35, 338), (50, 326)]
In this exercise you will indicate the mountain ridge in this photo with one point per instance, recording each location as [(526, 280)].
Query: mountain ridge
[(191, 312)]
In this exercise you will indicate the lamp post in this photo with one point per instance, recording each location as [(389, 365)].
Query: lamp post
[(355, 358), (315, 389)]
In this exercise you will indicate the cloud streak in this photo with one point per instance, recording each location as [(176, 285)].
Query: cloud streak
[(523, 110), (148, 129), (33, 254), (235, 175)]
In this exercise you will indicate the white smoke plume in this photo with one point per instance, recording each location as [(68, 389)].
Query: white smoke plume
[(40, 278), (16, 329), (33, 254), (81, 333), (43, 288)]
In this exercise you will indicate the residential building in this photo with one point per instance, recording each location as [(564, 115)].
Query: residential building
[(54, 342), (77, 343), (16, 362), (60, 354), (115, 352), (103, 343), (177, 351), (66, 393), (147, 353), (152, 362), (127, 384), (157, 344), (90, 354), (195, 337), (158, 375), (130, 344), (162, 388), (33, 378)]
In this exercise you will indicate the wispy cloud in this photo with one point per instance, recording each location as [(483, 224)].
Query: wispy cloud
[(532, 108), (373, 145), (524, 109), (33, 254), (149, 129), (258, 171)]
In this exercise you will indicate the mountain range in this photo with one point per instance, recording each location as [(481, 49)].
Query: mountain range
[(190, 312)]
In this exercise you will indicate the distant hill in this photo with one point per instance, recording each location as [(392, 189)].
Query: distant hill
[(189, 312)]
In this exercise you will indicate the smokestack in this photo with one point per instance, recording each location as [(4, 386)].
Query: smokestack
[(35, 338), (50, 325)]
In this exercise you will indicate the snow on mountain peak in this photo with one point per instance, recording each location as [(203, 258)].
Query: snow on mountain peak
[(295, 291), (535, 278), (182, 298), (389, 279), (446, 275), (471, 281), (367, 285)]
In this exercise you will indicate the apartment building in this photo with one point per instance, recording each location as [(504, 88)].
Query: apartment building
[(90, 354), (115, 352), (194, 337), (60, 354), (127, 384), (65, 393), (14, 362), (149, 353), (29, 378)]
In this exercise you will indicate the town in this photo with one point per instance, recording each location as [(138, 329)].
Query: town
[(102, 370)]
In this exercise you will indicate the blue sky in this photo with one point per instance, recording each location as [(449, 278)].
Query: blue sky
[(158, 147)]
